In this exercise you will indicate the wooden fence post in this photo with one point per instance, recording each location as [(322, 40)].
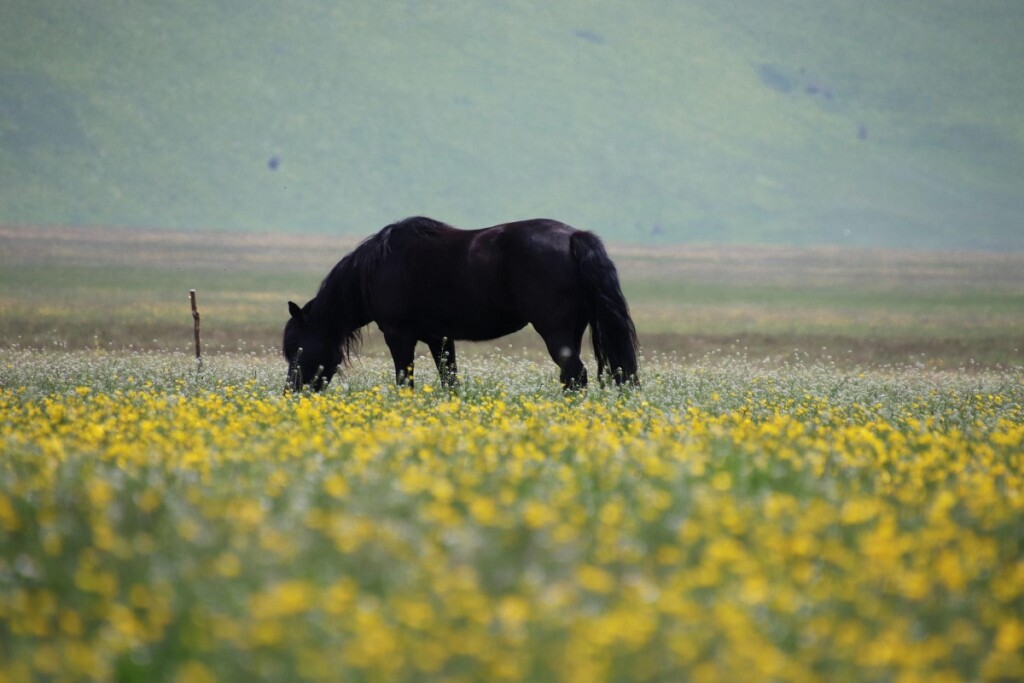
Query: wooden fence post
[(195, 318)]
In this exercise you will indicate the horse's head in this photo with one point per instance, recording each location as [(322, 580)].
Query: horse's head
[(312, 357)]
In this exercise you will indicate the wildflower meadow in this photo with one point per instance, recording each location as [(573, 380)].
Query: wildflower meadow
[(728, 520)]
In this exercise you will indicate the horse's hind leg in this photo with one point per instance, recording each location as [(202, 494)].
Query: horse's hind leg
[(564, 349), (443, 351)]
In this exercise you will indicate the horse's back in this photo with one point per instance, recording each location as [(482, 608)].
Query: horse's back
[(424, 246), (531, 236), (529, 248), (477, 284)]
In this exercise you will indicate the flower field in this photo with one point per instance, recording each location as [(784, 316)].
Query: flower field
[(728, 521)]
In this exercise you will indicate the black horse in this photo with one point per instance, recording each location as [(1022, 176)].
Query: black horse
[(422, 280)]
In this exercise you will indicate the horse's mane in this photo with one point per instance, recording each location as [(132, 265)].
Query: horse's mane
[(345, 300)]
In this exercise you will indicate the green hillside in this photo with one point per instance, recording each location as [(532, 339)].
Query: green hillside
[(848, 122)]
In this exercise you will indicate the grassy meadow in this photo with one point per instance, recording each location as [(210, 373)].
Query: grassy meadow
[(85, 288), (803, 523), (820, 478)]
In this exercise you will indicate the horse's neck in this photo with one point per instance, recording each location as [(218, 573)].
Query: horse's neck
[(340, 312)]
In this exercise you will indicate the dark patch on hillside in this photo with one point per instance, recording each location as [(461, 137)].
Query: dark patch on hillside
[(775, 78), (787, 80), (589, 36)]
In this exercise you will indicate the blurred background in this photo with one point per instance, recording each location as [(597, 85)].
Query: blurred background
[(792, 122), (841, 180)]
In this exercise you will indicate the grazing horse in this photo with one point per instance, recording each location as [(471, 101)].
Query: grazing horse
[(422, 280)]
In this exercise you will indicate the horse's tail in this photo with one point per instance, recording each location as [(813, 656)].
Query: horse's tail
[(611, 328)]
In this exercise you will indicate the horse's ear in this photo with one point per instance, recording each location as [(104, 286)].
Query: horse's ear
[(294, 309)]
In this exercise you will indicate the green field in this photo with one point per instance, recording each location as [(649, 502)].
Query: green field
[(118, 290), (866, 123)]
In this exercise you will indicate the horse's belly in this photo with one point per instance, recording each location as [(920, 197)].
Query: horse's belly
[(479, 330), (464, 313), (487, 333)]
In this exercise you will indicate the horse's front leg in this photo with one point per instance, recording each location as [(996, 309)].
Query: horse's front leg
[(403, 348), (443, 351)]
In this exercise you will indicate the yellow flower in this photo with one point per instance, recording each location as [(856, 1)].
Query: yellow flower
[(9, 519), (194, 672), (283, 599), (595, 579), (1010, 636), (336, 486)]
